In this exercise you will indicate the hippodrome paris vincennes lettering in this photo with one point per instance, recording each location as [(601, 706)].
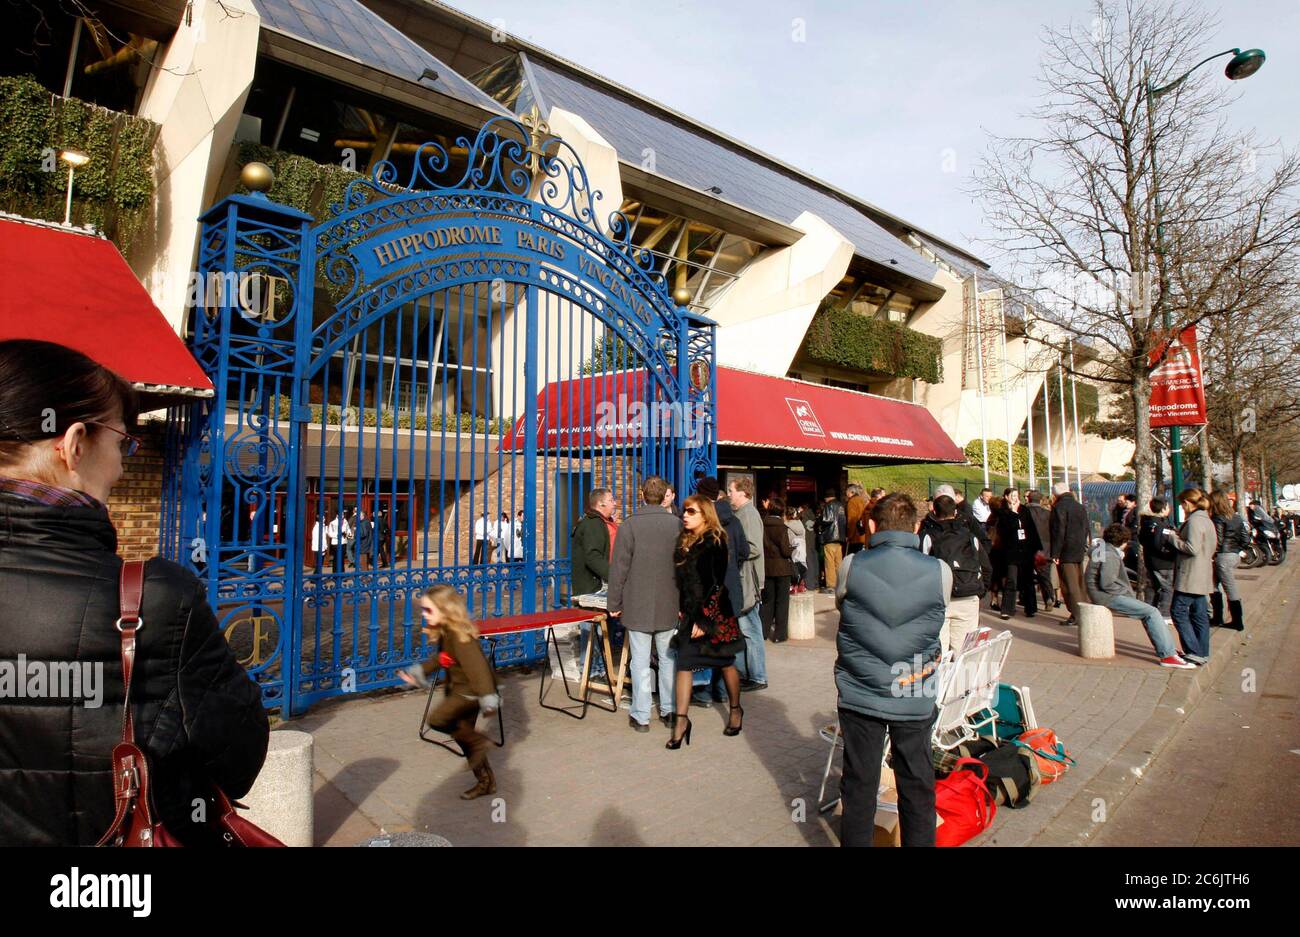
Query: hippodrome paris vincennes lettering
[(408, 245)]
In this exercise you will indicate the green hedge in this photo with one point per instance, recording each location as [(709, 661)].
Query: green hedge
[(462, 422), (841, 337), (114, 191), (998, 456)]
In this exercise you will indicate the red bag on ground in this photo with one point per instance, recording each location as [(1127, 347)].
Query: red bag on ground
[(963, 800), (1051, 755)]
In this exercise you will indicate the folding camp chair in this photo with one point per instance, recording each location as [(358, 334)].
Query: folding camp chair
[(968, 686)]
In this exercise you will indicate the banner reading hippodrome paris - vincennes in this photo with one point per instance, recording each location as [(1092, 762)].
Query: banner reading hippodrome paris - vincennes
[(1177, 390)]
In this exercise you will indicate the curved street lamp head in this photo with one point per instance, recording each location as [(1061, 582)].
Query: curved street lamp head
[(1245, 64)]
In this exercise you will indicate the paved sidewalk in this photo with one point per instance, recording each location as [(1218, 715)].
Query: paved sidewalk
[(595, 782)]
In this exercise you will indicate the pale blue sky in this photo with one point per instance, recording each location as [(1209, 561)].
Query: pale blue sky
[(879, 89)]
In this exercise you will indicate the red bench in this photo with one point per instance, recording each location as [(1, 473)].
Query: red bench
[(493, 628)]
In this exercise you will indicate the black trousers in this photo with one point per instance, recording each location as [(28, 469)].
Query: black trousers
[(864, 745), (775, 611), (1019, 579), (480, 552)]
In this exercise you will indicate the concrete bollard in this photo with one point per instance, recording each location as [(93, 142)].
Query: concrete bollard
[(281, 801), (802, 624), (1096, 632)]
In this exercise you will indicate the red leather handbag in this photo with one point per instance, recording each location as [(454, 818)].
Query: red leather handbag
[(963, 800), (136, 821)]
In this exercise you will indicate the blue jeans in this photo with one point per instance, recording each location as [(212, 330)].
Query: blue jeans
[(1151, 618), (639, 673), (1191, 616), (752, 663), (597, 653)]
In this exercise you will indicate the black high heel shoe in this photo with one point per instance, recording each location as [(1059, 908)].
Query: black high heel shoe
[(735, 730), (676, 743)]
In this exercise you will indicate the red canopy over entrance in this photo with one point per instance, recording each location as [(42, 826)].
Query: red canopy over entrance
[(73, 288), (753, 410), (780, 413)]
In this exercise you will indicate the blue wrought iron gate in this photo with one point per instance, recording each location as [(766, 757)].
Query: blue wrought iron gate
[(421, 389)]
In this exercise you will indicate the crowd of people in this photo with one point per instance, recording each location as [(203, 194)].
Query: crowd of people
[(701, 587)]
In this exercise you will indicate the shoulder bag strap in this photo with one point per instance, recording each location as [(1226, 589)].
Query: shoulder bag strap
[(129, 777), (128, 623)]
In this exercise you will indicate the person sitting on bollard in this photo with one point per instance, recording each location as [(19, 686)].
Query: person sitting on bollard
[(471, 688), (1108, 586)]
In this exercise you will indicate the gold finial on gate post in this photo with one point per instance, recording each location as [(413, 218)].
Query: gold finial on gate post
[(539, 132)]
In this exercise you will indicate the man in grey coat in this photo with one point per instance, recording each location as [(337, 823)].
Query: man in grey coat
[(753, 663), (643, 596)]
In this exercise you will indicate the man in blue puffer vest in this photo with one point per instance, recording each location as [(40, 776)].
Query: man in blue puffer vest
[(892, 601)]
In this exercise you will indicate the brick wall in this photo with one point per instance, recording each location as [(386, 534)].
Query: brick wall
[(136, 502)]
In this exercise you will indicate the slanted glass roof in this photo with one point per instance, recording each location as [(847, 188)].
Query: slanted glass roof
[(641, 132), (347, 28)]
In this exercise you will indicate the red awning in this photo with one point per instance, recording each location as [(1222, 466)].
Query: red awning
[(780, 413), (66, 286), (753, 410)]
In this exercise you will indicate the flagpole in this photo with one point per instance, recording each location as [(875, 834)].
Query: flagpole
[(1006, 397), (1065, 444), (1047, 422), (979, 365), (1074, 403), (1029, 403)]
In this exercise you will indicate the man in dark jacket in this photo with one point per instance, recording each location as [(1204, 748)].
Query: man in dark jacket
[(832, 533), (1069, 539), (1042, 519), (963, 514), (1158, 555), (889, 650), (643, 596), (589, 556)]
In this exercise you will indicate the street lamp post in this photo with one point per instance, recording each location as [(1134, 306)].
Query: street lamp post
[(73, 159), (1243, 65)]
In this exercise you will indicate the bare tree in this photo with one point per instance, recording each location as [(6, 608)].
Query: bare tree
[(1075, 204), (1252, 374)]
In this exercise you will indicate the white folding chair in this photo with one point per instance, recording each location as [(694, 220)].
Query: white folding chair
[(968, 685)]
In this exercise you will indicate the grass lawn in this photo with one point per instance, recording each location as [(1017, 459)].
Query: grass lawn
[(919, 478)]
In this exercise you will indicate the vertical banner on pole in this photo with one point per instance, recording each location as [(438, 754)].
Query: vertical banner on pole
[(1177, 388)]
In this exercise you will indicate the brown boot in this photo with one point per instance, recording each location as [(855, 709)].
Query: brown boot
[(487, 784)]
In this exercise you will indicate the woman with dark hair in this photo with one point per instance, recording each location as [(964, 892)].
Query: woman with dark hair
[(708, 634), (1232, 537), (777, 570), (1015, 543), (65, 426)]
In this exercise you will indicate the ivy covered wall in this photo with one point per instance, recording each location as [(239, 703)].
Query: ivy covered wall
[(300, 182), (848, 339), (114, 190)]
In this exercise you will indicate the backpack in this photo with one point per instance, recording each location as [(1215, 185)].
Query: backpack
[(828, 528), (1052, 757), (954, 544), (1014, 777)]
